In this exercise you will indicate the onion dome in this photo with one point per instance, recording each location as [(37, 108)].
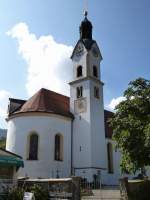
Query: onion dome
[(86, 28)]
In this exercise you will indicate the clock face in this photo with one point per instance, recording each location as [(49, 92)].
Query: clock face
[(95, 52), (80, 105), (79, 50)]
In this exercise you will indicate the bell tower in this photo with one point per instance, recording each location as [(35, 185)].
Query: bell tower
[(86, 103)]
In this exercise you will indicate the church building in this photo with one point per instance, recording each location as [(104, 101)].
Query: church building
[(60, 136)]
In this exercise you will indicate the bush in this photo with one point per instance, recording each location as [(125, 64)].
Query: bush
[(17, 193), (40, 193), (14, 194)]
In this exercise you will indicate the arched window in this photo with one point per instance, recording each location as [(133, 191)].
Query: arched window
[(95, 72), (58, 147), (96, 92), (79, 71), (79, 92), (110, 158), (33, 147)]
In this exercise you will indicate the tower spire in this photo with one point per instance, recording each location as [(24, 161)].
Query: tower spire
[(86, 25), (85, 8), (85, 13)]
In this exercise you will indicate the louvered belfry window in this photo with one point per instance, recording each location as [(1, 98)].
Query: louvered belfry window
[(79, 71), (95, 72)]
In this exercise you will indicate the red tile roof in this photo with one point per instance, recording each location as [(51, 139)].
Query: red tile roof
[(46, 101), (51, 102)]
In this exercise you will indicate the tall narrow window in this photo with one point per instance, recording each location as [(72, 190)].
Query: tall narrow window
[(79, 91), (79, 71), (58, 147), (96, 92), (33, 147), (110, 158), (95, 72)]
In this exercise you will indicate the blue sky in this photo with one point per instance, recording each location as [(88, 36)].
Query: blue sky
[(121, 29)]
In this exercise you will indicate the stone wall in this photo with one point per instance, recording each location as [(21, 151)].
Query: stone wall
[(57, 188), (134, 189)]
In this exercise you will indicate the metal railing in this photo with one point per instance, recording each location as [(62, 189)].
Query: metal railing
[(88, 187)]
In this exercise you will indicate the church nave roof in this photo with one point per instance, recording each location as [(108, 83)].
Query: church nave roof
[(43, 101), (47, 101)]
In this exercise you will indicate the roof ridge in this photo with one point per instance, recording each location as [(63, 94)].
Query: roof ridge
[(54, 92)]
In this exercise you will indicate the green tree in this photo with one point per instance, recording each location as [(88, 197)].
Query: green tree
[(131, 126), (3, 143)]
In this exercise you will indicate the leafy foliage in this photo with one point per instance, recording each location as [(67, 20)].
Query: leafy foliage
[(131, 125), (17, 193), (40, 192), (3, 143)]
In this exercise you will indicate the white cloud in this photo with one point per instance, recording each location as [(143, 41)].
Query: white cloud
[(114, 102), (4, 96), (48, 62)]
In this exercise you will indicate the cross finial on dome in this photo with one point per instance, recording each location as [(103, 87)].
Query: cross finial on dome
[(85, 13), (86, 25), (85, 8)]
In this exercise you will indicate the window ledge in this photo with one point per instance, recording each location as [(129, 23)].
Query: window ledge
[(32, 159), (58, 160)]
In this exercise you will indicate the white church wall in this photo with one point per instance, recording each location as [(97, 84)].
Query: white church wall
[(81, 128), (98, 141), (82, 132), (19, 128), (77, 61), (93, 61), (112, 178), (89, 137)]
